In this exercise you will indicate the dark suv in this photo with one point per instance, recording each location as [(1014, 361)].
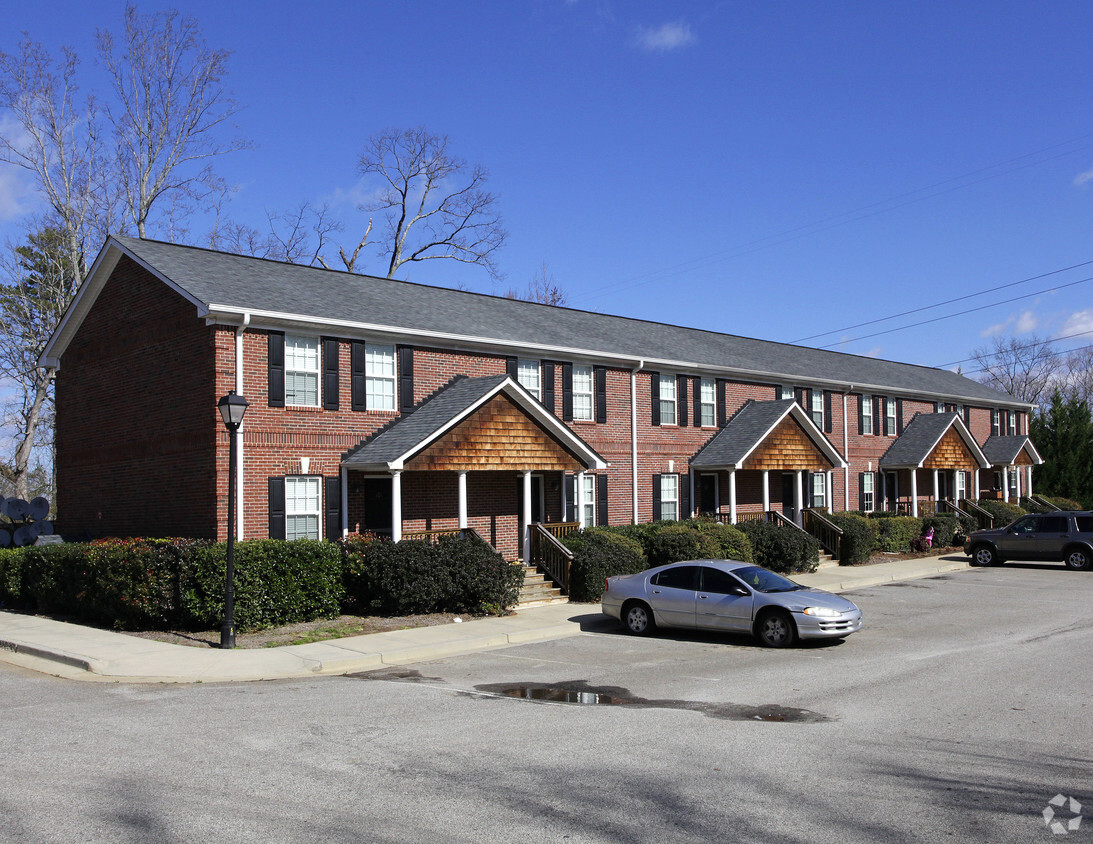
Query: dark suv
[(1062, 536)]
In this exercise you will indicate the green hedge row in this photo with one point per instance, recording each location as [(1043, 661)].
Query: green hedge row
[(178, 584), (782, 549)]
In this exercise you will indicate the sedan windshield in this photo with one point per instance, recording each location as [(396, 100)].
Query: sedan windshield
[(762, 580)]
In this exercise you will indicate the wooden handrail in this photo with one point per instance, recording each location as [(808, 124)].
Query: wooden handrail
[(550, 556), (826, 531), (983, 517), (956, 508), (1043, 502)]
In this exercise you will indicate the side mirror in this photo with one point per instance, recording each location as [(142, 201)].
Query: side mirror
[(740, 592)]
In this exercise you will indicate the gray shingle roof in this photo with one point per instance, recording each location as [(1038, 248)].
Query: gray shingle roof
[(239, 283), (745, 431), (921, 436), (1003, 450)]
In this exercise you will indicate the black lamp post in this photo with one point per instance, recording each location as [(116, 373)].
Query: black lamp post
[(232, 408)]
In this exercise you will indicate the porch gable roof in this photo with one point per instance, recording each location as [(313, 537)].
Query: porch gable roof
[(391, 447), (922, 435), (1004, 450), (750, 426)]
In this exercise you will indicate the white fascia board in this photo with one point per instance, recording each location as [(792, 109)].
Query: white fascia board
[(1033, 454)]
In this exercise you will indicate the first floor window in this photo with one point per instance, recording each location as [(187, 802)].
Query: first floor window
[(527, 373), (819, 490), (667, 400), (588, 500), (379, 373), (1013, 482), (961, 485), (707, 403), (582, 393), (302, 507), (301, 370), (669, 498), (868, 502)]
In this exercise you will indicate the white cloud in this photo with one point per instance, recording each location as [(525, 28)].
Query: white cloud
[(17, 194), (1081, 179), (667, 36), (1026, 322), (875, 352), (1077, 323), (1022, 323), (994, 330)]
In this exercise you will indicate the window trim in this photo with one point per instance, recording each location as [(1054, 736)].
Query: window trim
[(891, 415), (869, 479), (590, 393), (664, 499), (817, 399), (291, 499), (526, 365), (587, 496), (821, 479), (867, 415), (291, 370), (673, 401), (370, 377), (704, 406)]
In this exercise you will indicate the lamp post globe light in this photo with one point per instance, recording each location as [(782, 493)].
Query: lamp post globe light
[(231, 407)]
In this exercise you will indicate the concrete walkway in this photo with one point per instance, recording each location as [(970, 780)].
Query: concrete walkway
[(74, 651)]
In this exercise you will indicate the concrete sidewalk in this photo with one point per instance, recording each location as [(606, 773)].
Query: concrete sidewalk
[(74, 651)]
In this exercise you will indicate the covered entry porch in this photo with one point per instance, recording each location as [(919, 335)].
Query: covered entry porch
[(1011, 459), (480, 454)]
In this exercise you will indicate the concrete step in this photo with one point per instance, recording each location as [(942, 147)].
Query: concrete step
[(538, 591), (827, 562)]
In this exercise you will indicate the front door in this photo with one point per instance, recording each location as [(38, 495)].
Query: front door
[(377, 505), (707, 493), (891, 491), (789, 490)]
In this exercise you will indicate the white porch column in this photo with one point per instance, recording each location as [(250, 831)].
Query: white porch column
[(732, 496), (937, 488), (798, 498), (396, 505), (694, 503), (766, 490), (914, 492), (578, 499), (1029, 482), (1017, 477), (1006, 483), (525, 529), (462, 500), (345, 501), (974, 492), (564, 502), (830, 496)]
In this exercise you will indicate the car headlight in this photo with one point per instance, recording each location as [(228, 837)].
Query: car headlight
[(822, 612)]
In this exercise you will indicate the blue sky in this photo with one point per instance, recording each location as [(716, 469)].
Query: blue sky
[(771, 169)]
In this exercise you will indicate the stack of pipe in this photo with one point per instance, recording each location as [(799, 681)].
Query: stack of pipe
[(26, 521)]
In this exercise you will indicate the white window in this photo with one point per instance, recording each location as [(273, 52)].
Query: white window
[(890, 417), (1012, 474), (667, 400), (819, 489), (302, 507), (867, 414), (588, 500), (996, 425), (669, 498), (1011, 420), (582, 392), (301, 371), (785, 393), (961, 485), (818, 408), (707, 403), (527, 373), (379, 373), (868, 500)]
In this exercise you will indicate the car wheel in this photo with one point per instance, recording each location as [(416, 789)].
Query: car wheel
[(776, 630), (985, 555), (1077, 559), (637, 618)]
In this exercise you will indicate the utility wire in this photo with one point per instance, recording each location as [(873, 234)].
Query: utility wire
[(1022, 348), (1049, 354), (958, 313)]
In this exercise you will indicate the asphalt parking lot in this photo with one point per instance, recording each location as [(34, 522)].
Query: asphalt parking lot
[(956, 714)]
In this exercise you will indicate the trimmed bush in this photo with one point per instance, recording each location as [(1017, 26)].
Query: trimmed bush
[(781, 549), (675, 542), (1064, 503), (599, 553), (859, 538), (1002, 511), (896, 533), (945, 525), (732, 543)]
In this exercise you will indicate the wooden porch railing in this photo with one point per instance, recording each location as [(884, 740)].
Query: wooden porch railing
[(549, 555), (1039, 503), (434, 536), (983, 517), (560, 529), (955, 508), (826, 531)]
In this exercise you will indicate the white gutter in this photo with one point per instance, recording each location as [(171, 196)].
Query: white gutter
[(634, 435), (846, 452), (239, 484)]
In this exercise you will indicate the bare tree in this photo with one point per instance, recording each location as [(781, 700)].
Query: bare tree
[(39, 281), (434, 204), (1078, 374), (170, 114), (1026, 370), (542, 289)]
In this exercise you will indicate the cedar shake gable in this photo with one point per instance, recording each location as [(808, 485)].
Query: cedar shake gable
[(1011, 450), (934, 440)]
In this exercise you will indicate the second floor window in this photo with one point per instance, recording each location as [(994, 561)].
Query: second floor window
[(582, 394), (867, 414), (1011, 422), (301, 371), (527, 373), (379, 371), (996, 425), (818, 408), (667, 400), (890, 417), (707, 403)]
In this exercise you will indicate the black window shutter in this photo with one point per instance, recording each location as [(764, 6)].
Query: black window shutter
[(406, 378), (330, 373), (357, 382), (697, 404), (861, 415), (828, 426), (681, 400), (276, 355), (722, 414), (567, 392), (512, 367), (684, 496), (799, 396), (899, 416), (600, 373), (276, 508), (967, 416), (601, 499), (548, 386), (808, 403), (333, 506), (654, 392), (656, 498), (571, 498)]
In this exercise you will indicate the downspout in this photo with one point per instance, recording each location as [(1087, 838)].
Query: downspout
[(846, 454), (634, 435), (239, 509)]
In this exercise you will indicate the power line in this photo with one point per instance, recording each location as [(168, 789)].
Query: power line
[(958, 313), (946, 302), (1022, 348), (1049, 354)]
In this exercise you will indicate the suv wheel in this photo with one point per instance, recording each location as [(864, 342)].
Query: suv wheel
[(985, 555), (1077, 559)]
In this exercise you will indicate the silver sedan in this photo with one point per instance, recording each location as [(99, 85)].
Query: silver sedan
[(730, 596)]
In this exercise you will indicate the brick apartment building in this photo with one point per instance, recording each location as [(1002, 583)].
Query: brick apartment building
[(397, 407)]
